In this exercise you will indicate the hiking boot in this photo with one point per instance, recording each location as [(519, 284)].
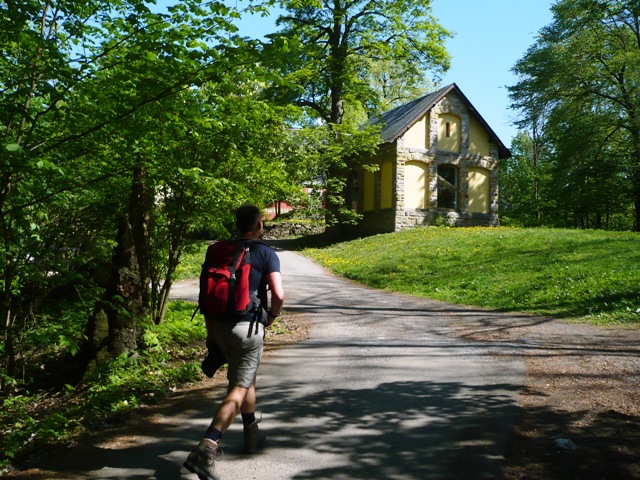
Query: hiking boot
[(202, 460), (254, 438)]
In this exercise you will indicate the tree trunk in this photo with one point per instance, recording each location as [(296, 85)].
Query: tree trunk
[(163, 301), (7, 304), (338, 56), (160, 293), (636, 183), (536, 169), (637, 197), (9, 353), (140, 218), (113, 327), (334, 196)]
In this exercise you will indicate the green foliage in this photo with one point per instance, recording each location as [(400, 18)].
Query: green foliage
[(119, 385), (525, 181), (333, 49), (225, 148), (144, 114), (191, 261), (574, 93), (44, 338), (587, 275), (396, 84), (343, 147)]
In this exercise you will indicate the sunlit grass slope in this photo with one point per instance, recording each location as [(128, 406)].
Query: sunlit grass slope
[(582, 274)]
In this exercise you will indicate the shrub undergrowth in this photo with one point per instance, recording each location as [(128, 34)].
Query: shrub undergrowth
[(31, 418)]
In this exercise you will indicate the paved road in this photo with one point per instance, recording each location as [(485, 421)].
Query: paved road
[(381, 390)]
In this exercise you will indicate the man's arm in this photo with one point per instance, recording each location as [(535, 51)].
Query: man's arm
[(274, 279)]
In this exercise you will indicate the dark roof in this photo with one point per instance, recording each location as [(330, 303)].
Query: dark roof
[(400, 119)]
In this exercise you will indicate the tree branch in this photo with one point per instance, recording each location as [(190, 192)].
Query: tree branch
[(68, 188)]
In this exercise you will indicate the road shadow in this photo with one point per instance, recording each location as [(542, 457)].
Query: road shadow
[(409, 430), (422, 429), (401, 430)]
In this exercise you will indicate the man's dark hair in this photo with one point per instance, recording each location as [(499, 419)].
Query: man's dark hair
[(247, 216)]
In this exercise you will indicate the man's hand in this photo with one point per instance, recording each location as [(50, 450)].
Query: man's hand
[(272, 317)]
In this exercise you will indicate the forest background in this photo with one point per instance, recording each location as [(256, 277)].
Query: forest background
[(128, 132)]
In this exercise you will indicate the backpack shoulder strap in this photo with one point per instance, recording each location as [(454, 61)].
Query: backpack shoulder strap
[(239, 256)]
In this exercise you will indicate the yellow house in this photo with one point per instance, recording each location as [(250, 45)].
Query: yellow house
[(437, 158)]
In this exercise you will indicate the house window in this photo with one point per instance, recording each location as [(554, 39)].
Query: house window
[(447, 187), (448, 129)]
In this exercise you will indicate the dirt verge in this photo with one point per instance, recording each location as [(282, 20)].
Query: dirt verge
[(580, 404)]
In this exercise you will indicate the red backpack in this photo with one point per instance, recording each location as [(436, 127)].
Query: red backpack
[(224, 281)]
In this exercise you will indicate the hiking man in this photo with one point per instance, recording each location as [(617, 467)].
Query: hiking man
[(241, 341)]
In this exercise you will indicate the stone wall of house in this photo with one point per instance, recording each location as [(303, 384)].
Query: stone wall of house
[(406, 217), (379, 221)]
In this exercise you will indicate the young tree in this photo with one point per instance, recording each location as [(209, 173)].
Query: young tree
[(230, 148), (524, 179), (587, 63)]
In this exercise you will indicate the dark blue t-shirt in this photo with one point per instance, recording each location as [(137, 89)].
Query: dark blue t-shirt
[(264, 260)]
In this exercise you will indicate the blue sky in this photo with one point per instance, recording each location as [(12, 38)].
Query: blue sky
[(490, 36)]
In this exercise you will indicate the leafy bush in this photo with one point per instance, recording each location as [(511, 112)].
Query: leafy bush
[(172, 357)]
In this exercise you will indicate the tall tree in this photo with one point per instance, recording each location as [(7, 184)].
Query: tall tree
[(77, 82), (394, 84), (534, 115), (524, 182), (586, 64), (330, 50), (591, 163)]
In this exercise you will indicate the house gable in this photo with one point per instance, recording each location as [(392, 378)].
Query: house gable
[(400, 120), (417, 136), (449, 132), (438, 158)]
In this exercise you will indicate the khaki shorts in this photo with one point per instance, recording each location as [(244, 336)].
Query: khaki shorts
[(242, 344)]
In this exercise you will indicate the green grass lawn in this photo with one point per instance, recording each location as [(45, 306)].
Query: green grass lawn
[(585, 275)]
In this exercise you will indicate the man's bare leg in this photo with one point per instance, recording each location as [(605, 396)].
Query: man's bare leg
[(249, 404), (230, 406)]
